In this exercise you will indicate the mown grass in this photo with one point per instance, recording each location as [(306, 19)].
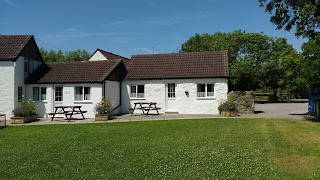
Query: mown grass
[(184, 149)]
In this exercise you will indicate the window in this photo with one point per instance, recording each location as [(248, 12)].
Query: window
[(58, 94), (137, 91), (205, 90), (171, 90), (39, 93), (26, 65), (82, 93), (20, 96)]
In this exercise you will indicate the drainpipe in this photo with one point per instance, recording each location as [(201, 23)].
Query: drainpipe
[(52, 99)]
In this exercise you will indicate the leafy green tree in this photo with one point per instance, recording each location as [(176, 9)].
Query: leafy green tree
[(60, 56), (304, 15), (255, 60), (245, 52), (311, 54)]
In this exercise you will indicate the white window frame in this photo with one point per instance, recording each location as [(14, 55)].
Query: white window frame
[(40, 97), (58, 96), (206, 91), (171, 92), (82, 96), (136, 94)]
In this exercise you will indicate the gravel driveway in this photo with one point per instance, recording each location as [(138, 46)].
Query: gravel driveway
[(280, 111)]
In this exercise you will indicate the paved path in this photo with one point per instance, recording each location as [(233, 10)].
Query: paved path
[(280, 111), (272, 110)]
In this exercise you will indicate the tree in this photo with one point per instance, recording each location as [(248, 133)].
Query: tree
[(303, 14), (60, 56), (255, 60), (311, 54), (245, 52)]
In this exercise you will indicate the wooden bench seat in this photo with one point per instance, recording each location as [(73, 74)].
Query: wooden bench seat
[(74, 112), (55, 113)]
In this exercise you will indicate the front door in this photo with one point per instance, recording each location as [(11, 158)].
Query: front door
[(171, 102), (58, 95)]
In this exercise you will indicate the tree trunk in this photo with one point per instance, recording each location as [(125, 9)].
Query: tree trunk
[(275, 95)]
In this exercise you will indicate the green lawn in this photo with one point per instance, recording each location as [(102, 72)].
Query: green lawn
[(178, 149)]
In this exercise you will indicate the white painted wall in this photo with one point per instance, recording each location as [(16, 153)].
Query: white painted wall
[(112, 92), (19, 79), (7, 87), (97, 56), (155, 91), (45, 107), (12, 76), (96, 94)]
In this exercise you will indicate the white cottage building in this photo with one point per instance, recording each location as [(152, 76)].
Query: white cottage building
[(19, 57), (184, 83)]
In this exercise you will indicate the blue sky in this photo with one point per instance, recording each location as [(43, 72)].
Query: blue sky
[(128, 27)]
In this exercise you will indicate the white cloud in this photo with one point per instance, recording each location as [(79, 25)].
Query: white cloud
[(152, 3), (10, 2), (145, 51), (75, 33), (116, 23)]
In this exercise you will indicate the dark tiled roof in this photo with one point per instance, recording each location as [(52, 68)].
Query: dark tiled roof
[(179, 65), (72, 72), (12, 45)]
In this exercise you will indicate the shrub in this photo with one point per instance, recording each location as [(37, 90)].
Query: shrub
[(104, 107), (25, 108), (228, 105)]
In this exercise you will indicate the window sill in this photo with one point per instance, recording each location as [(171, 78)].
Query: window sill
[(137, 98), (206, 98), (83, 102), (41, 101)]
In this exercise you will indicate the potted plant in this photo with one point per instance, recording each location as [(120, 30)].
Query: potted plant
[(25, 112), (228, 108), (103, 110)]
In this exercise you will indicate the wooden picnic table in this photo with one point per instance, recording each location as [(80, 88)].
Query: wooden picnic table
[(68, 111), (145, 107)]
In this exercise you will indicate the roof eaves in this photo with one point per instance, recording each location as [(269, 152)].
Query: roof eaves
[(30, 37)]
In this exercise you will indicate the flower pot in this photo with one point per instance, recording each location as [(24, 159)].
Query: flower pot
[(26, 119), (102, 117)]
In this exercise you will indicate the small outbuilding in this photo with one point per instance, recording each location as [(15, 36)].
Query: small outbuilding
[(184, 83)]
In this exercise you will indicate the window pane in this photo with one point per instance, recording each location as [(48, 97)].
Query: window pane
[(26, 65), (87, 93), (133, 91), (19, 94), (43, 93), (58, 93), (36, 93), (171, 90), (78, 93), (210, 89), (201, 89), (140, 91)]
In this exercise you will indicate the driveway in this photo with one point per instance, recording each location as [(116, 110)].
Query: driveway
[(280, 111)]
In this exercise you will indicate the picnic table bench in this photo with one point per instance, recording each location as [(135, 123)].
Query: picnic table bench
[(145, 107), (68, 111)]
